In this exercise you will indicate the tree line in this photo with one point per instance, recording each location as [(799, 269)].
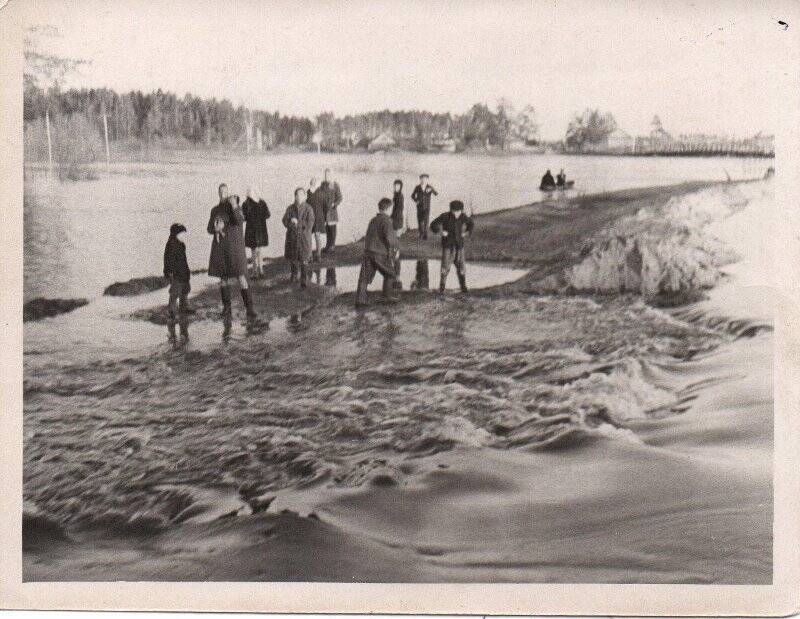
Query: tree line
[(164, 116)]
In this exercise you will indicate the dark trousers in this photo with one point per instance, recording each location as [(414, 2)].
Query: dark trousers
[(371, 264), (423, 221), (422, 279), (178, 292), (330, 230)]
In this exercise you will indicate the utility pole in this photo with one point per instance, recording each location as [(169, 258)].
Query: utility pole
[(248, 130), (49, 144), (105, 132)]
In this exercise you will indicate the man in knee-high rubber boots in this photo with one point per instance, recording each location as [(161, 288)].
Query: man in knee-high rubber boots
[(455, 227)]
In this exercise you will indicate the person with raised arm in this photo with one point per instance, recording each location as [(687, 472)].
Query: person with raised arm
[(228, 260)]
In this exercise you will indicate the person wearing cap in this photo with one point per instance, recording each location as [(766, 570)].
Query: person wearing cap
[(176, 270), (455, 227), (228, 259), (299, 222), (380, 252), (422, 197)]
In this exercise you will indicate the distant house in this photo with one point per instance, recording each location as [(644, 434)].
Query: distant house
[(383, 142), (445, 145)]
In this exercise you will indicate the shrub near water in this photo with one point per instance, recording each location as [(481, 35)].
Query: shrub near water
[(668, 251)]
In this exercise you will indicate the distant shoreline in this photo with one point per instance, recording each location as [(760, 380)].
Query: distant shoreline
[(164, 154)]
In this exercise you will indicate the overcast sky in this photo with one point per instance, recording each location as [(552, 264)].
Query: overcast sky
[(700, 68)]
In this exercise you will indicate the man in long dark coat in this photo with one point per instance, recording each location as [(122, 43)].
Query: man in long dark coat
[(228, 260)]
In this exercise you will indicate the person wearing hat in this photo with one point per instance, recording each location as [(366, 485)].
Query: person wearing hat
[(176, 270), (380, 252), (455, 227), (422, 197)]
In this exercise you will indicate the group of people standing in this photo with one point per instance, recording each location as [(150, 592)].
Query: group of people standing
[(314, 212), (382, 245)]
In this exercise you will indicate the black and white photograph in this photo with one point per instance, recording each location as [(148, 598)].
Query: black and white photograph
[(402, 292)]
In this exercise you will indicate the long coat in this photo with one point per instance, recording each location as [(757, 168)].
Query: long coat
[(397, 210), (331, 199), (315, 201), (298, 236), (228, 257), (255, 217)]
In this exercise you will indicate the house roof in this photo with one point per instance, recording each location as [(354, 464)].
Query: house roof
[(383, 138)]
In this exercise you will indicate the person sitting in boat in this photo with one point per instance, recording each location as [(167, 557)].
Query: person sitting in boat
[(561, 179), (548, 182)]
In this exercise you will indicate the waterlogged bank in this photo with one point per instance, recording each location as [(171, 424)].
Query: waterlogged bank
[(500, 436)]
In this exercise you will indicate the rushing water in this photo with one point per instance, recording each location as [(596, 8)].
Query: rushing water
[(494, 437), (80, 237)]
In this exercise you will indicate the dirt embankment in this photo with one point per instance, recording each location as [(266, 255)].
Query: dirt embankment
[(547, 237)]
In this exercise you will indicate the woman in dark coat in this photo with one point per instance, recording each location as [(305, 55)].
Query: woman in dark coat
[(256, 235), (228, 259)]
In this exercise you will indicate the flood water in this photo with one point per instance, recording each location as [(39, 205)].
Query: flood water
[(499, 437), (80, 237), (105, 329)]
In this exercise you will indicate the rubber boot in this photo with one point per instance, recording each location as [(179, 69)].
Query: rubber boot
[(248, 303), (293, 277), (442, 282), (225, 293), (462, 281), (317, 256), (331, 241), (303, 275)]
